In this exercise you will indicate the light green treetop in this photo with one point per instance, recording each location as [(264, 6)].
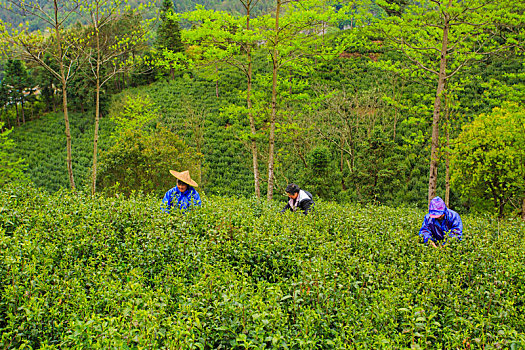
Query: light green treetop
[(488, 161)]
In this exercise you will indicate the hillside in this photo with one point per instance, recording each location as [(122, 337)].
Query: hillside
[(234, 6), (42, 144), (354, 121)]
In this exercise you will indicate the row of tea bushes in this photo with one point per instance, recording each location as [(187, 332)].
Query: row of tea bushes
[(83, 272), (42, 145)]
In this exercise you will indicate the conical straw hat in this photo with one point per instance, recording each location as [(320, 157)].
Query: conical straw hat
[(184, 177)]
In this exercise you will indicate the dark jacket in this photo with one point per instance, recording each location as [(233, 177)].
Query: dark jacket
[(303, 202)]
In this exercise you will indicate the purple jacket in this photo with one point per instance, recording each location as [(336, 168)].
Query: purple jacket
[(436, 230)]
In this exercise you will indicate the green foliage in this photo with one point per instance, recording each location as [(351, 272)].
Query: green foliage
[(142, 151), (190, 108), (232, 6), (319, 159), (374, 123), (140, 161), (18, 83), (378, 168), (489, 158), (48, 84), (168, 32), (393, 7), (42, 144), (78, 271), (320, 176), (133, 112), (11, 168), (169, 45)]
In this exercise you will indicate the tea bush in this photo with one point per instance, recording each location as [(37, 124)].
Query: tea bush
[(42, 143), (111, 272)]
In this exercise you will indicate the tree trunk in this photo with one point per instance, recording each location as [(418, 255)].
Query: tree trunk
[(97, 114), (217, 82), (250, 113), (447, 159), (17, 115), (54, 100), (64, 98), (341, 167), (501, 205), (95, 138), (432, 179), (7, 118), (23, 113), (271, 160), (68, 132), (523, 210)]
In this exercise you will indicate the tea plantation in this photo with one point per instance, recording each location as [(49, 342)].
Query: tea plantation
[(83, 272)]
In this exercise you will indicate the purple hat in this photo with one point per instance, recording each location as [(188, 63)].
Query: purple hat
[(436, 208)]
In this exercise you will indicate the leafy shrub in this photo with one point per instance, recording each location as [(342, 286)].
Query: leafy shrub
[(93, 272), (140, 161), (42, 143), (11, 169), (489, 158)]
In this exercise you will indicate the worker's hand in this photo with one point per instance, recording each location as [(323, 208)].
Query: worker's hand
[(433, 244)]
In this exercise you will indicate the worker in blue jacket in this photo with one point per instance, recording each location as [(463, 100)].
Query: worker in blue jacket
[(440, 224), (183, 196)]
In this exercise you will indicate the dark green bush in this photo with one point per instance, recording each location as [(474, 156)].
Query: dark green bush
[(140, 161)]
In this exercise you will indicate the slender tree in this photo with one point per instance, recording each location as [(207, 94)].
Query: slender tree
[(439, 38), (110, 37), (230, 40), (34, 46), (294, 35), (169, 36)]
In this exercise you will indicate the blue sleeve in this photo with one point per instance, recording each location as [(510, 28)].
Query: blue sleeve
[(424, 231), (456, 226), (167, 201)]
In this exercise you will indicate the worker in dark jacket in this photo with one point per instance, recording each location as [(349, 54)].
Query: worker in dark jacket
[(440, 224), (298, 199)]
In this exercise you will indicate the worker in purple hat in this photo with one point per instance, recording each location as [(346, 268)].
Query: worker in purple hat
[(440, 224)]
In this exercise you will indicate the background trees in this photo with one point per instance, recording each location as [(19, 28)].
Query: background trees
[(143, 151), (439, 38), (19, 86), (340, 109), (489, 159), (229, 40), (35, 47), (168, 42), (112, 38), (294, 36)]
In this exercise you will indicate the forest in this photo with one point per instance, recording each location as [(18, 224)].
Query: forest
[(370, 102), (373, 106)]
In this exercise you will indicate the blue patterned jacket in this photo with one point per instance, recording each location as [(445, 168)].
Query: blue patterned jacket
[(180, 200)]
